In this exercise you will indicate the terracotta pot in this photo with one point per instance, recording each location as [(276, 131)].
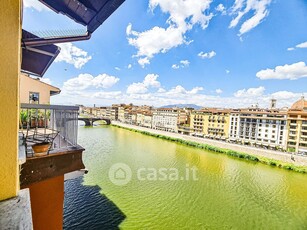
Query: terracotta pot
[(41, 149), (41, 123)]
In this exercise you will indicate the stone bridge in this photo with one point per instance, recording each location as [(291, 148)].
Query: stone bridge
[(90, 121)]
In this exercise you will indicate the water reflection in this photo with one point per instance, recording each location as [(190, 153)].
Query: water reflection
[(86, 208)]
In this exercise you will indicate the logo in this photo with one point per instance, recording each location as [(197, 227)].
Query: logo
[(120, 174)]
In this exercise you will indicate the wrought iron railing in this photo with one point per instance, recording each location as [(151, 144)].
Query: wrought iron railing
[(53, 124)]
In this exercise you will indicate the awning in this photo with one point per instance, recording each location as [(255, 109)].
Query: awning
[(90, 13), (36, 60)]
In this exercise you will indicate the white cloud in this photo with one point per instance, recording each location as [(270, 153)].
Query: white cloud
[(243, 7), (107, 95), (291, 72), (46, 80), (154, 41), (143, 61), (180, 91), (185, 63), (141, 95), (129, 29), (221, 8), (117, 68), (207, 55), (161, 90), (72, 55), (175, 66), (129, 66), (35, 4), (219, 91), (284, 95), (195, 90), (150, 81), (183, 15), (238, 5), (136, 88), (251, 92), (302, 45), (86, 81), (227, 71)]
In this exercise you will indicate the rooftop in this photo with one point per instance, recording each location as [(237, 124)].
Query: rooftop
[(300, 105)]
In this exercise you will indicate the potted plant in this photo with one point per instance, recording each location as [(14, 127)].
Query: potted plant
[(23, 118), (41, 149)]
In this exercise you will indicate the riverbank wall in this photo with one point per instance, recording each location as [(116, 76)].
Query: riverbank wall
[(269, 157)]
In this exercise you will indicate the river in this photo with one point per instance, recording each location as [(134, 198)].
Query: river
[(228, 193)]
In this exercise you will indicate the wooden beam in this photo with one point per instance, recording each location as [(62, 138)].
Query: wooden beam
[(37, 169)]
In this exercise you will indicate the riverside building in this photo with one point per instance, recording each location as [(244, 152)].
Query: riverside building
[(218, 124), (147, 119), (259, 127), (165, 119), (211, 123), (297, 126)]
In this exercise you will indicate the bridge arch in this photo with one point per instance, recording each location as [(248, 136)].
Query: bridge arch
[(102, 119), (90, 121)]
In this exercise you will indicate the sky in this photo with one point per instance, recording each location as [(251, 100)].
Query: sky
[(212, 53)]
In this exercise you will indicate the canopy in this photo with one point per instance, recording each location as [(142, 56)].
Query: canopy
[(90, 13), (36, 60)]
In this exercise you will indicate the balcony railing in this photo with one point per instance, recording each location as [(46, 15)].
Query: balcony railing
[(55, 125)]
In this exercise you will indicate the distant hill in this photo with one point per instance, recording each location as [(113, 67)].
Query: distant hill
[(182, 106)]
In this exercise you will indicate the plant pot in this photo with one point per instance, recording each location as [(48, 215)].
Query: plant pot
[(41, 123), (41, 149)]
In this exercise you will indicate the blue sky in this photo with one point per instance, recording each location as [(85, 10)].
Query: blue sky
[(230, 53)]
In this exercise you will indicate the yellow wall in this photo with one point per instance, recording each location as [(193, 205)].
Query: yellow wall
[(10, 25), (28, 84)]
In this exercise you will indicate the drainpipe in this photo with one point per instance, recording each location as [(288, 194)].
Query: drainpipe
[(32, 42)]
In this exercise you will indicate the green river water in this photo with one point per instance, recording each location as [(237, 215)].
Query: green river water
[(229, 193)]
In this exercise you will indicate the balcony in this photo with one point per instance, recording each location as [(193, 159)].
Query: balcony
[(292, 127), (50, 135)]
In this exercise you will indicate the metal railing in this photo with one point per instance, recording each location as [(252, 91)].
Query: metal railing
[(55, 124)]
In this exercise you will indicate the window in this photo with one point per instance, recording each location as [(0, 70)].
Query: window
[(33, 98)]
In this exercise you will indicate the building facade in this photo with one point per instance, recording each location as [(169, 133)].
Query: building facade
[(297, 126), (148, 120), (198, 122), (218, 124), (259, 127), (210, 123), (234, 126), (34, 91), (165, 119)]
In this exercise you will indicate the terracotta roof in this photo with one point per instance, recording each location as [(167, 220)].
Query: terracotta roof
[(299, 105)]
